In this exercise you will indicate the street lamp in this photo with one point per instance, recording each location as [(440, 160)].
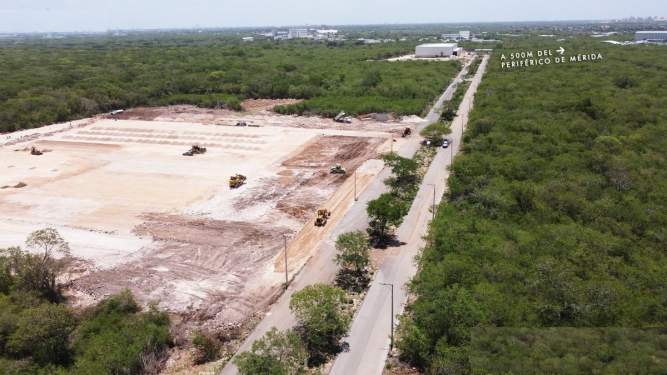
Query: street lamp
[(286, 276), (355, 186), (391, 343), (433, 207)]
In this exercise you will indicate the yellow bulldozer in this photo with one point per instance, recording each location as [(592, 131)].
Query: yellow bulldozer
[(236, 181), (322, 217)]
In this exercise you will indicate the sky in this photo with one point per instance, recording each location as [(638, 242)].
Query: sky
[(102, 15)]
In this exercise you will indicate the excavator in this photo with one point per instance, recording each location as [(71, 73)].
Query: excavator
[(337, 169), (195, 150), (236, 181), (406, 132), (322, 217), (35, 151)]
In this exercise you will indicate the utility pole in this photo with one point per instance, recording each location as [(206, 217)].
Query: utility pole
[(355, 185), (391, 342), (433, 207), (286, 275)]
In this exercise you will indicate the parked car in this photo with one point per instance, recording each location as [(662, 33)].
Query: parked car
[(445, 143)]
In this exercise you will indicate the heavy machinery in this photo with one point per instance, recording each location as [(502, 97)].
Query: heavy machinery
[(241, 123), (236, 181), (322, 217), (195, 150), (343, 117), (337, 169), (406, 132), (35, 151)]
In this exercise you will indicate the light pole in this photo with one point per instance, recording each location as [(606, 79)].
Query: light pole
[(355, 185), (286, 276), (391, 320), (433, 207)]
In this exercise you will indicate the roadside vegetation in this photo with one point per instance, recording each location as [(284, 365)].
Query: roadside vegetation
[(39, 334), (61, 80), (556, 217)]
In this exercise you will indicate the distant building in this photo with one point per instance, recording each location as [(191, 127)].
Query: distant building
[(248, 39), (298, 33), (651, 36), (461, 35), (437, 50), (329, 34)]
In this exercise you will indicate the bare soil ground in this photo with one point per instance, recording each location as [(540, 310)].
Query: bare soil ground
[(266, 105), (262, 117), (139, 215)]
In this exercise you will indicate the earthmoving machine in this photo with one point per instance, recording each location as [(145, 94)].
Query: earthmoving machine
[(337, 169), (406, 132), (241, 123), (236, 181), (35, 151), (195, 150), (343, 117), (322, 217)]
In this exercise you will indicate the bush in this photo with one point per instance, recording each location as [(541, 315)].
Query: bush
[(277, 353), (42, 333), (206, 347)]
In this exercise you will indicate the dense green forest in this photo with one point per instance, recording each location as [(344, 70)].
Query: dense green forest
[(40, 334), (556, 217), (53, 81)]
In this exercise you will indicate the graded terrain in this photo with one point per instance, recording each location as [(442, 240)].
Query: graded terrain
[(140, 215)]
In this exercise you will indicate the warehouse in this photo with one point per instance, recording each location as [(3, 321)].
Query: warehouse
[(437, 50), (651, 36)]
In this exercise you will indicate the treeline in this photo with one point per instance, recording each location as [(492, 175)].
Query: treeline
[(47, 82), (39, 334), (556, 216)]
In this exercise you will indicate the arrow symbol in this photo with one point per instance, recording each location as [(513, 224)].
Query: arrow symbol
[(561, 50)]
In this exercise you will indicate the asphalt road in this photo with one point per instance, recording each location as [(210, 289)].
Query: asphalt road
[(369, 337), (322, 268)]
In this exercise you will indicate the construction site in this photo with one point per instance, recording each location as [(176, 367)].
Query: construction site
[(189, 208)]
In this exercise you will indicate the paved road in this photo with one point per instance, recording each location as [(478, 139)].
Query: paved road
[(369, 336), (322, 268)]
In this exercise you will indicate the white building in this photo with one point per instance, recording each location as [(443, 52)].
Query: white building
[(329, 34), (436, 50), (298, 33), (651, 36), (461, 35)]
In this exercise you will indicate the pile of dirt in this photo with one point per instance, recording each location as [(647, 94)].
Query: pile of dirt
[(263, 105)]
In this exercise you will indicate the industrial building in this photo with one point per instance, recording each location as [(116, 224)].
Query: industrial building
[(298, 33), (651, 36), (461, 35), (438, 50)]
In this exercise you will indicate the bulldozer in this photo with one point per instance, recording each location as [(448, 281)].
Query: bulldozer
[(343, 118), (35, 151), (337, 169), (236, 181), (322, 217), (195, 150), (406, 132)]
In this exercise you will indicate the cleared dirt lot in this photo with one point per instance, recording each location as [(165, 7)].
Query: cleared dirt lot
[(139, 215)]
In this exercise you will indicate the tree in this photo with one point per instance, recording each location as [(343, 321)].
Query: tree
[(385, 212), (353, 250), (277, 353), (353, 257), (323, 319), (404, 172), (43, 333)]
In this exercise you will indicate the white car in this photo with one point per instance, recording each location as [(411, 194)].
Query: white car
[(445, 143)]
